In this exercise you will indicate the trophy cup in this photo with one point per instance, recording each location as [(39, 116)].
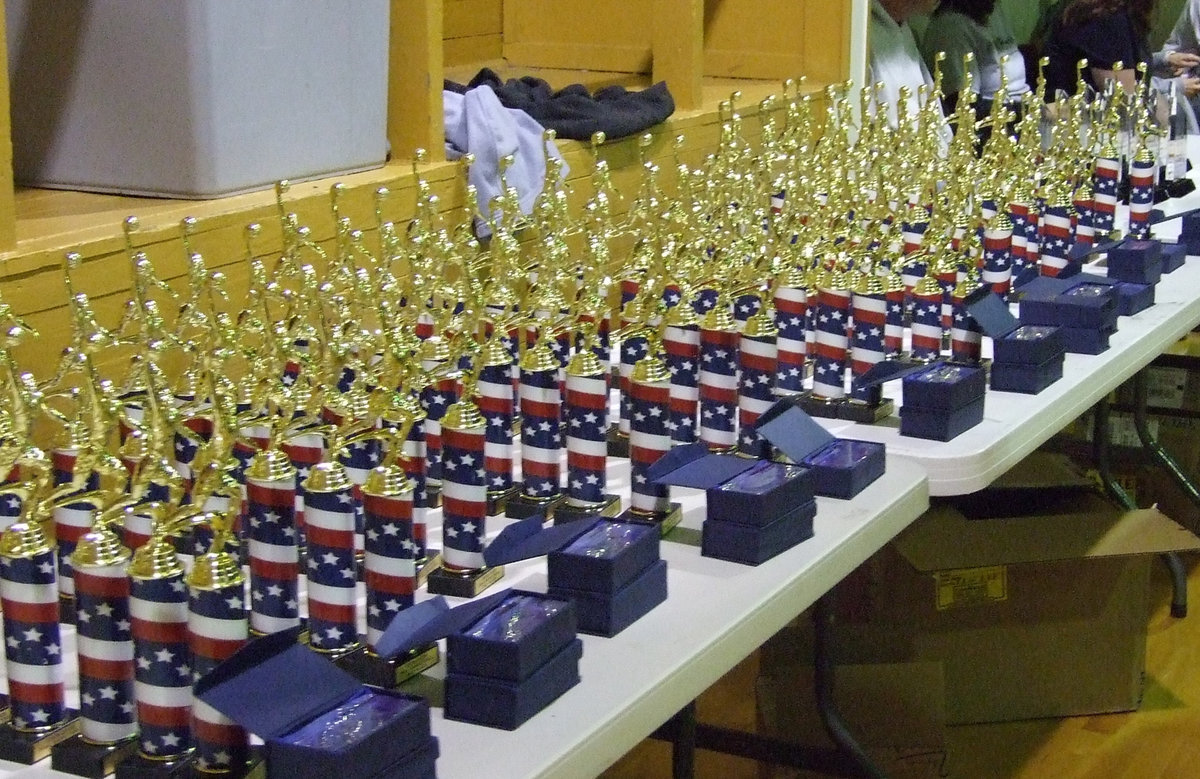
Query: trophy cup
[(464, 505), (108, 727), (217, 628)]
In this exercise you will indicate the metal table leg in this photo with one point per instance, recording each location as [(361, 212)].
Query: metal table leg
[(1100, 454)]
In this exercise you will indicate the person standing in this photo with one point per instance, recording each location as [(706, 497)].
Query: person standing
[(979, 27), (894, 58)]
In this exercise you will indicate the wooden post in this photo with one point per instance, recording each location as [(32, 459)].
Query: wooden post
[(679, 49), (8, 204), (415, 74)]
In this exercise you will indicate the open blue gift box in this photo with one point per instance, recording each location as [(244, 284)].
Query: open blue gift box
[(605, 558), (1084, 304), (1025, 358), (941, 400), (840, 467), (329, 724), (752, 545), (1174, 255), (608, 613), (1134, 298), (1139, 262), (738, 489)]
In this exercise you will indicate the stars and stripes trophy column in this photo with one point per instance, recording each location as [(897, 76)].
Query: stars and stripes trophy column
[(497, 404), (330, 559), (217, 627), (390, 570), (586, 417), (541, 431), (718, 378), (681, 341), (1141, 192), (464, 498), (32, 644), (649, 437), (407, 407), (104, 650), (162, 661), (791, 313), (757, 355), (274, 552), (832, 346), (869, 305)]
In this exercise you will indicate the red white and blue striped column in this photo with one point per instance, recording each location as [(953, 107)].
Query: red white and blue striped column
[(331, 561), (217, 628), (1055, 238), (104, 639), (896, 296), (997, 256), (414, 462), (1085, 216), (831, 352), (391, 559), (1105, 182), (586, 414), (358, 460), (304, 450), (632, 349), (1141, 194), (273, 550), (158, 609), (32, 643), (927, 320), (1018, 215), (718, 379), (496, 403), (71, 520), (649, 438), (138, 525), (757, 364), (435, 399), (1033, 237), (541, 426), (464, 493), (791, 309), (681, 344), (966, 336), (869, 304)]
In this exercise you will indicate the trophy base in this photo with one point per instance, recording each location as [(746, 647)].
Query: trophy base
[(618, 442), (66, 610), (336, 656), (96, 761), (20, 746), (370, 668), (255, 768), (564, 512), (816, 406), (433, 495), (463, 584), (866, 413), (666, 521), (522, 506), (428, 566), (139, 766), (497, 502)]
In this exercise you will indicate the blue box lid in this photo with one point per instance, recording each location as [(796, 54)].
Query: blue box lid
[(422, 623), (530, 538), (888, 370), (1152, 248), (275, 662), (692, 465), (1158, 215), (792, 431), (991, 313)]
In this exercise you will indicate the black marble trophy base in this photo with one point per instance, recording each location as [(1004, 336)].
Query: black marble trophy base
[(83, 758), (427, 566), (816, 406), (618, 442), (389, 673), (138, 766), (866, 413), (564, 512), (522, 506), (433, 495), (463, 584), (666, 521), (21, 746), (66, 610), (497, 502), (255, 768)]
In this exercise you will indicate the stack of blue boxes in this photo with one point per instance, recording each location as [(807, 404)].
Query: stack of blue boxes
[(942, 400), (1025, 358)]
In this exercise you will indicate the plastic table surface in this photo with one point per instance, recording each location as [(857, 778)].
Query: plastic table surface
[(1015, 424), (716, 613)]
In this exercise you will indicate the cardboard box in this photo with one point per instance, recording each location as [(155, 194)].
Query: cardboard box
[(894, 710), (1036, 614)]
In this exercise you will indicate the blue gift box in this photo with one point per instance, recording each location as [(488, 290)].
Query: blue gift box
[(840, 467), (940, 425), (943, 387), (418, 764), (299, 723), (1086, 304), (1133, 298), (514, 639), (1139, 262), (1012, 342), (1174, 255), (502, 703), (607, 614), (753, 544), (751, 491), (1086, 340), (604, 559), (1024, 377)]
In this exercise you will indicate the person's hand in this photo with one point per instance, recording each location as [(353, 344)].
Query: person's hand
[(1182, 61), (1191, 86)]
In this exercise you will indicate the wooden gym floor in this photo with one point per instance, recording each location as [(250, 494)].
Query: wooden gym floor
[(1160, 740)]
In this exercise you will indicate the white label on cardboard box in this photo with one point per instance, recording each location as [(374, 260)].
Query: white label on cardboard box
[(970, 586), (1165, 387)]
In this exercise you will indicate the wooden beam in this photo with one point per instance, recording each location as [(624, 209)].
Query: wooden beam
[(679, 49), (415, 118), (8, 206)]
